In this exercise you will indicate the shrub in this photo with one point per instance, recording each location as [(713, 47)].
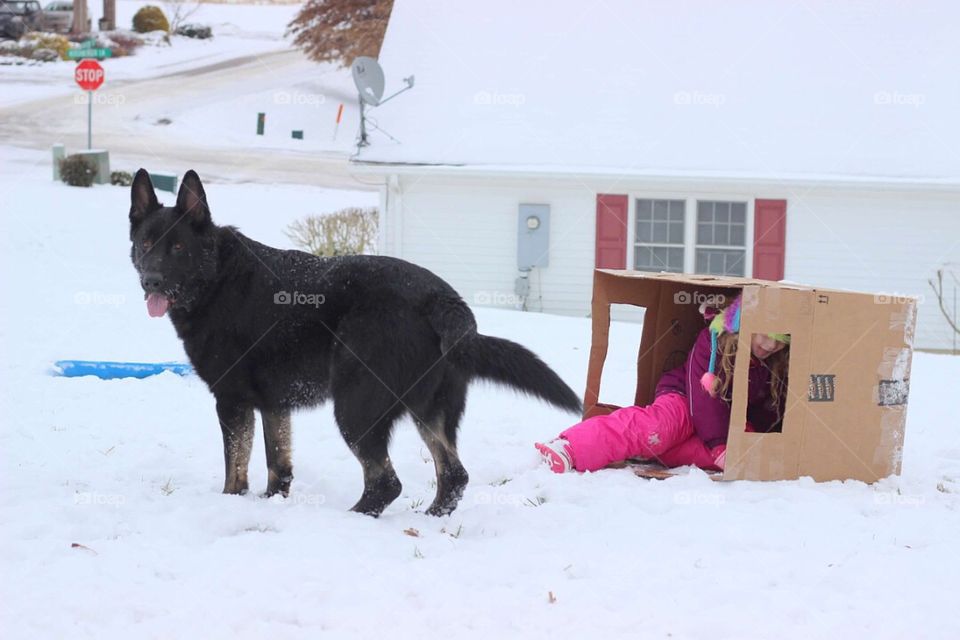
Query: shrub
[(123, 43), (193, 30), (77, 171), (52, 41), (150, 18), (344, 232), (121, 178), (45, 55)]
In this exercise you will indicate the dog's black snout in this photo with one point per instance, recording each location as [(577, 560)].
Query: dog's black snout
[(151, 281)]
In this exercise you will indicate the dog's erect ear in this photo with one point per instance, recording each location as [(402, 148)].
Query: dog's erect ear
[(143, 199), (191, 200)]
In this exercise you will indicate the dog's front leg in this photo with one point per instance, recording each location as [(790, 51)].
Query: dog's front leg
[(237, 425), (276, 439)]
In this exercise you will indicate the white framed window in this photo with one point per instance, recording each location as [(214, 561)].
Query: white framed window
[(659, 235), (704, 234), (721, 238)]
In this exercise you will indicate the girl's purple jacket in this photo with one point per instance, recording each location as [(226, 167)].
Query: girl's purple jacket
[(711, 416)]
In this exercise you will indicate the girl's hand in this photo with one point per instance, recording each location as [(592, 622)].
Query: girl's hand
[(719, 454)]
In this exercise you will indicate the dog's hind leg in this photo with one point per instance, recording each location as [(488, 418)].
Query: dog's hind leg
[(439, 432), (365, 411), (276, 440), (237, 426)]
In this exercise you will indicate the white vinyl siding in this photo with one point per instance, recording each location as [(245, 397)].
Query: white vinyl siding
[(464, 229)]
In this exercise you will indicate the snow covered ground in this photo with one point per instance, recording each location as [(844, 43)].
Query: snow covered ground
[(113, 525)]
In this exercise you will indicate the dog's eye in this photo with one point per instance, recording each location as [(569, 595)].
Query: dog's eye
[(146, 244), (177, 247)]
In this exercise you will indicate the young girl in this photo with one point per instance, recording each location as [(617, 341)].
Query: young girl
[(687, 422)]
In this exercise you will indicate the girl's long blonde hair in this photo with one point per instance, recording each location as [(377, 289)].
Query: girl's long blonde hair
[(776, 363)]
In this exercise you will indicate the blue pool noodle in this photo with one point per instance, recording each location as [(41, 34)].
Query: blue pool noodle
[(114, 370)]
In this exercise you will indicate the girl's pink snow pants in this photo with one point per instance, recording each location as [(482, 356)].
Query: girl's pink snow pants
[(661, 431)]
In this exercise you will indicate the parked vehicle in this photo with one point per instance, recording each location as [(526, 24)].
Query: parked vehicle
[(28, 11), (58, 16), (11, 25)]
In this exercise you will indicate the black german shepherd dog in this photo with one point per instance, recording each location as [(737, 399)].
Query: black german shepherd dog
[(276, 330)]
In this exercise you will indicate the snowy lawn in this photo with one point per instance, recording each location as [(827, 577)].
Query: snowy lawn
[(113, 524)]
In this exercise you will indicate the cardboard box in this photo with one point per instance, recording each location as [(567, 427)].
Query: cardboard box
[(849, 369)]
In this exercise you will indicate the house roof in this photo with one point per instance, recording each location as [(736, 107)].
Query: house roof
[(773, 90)]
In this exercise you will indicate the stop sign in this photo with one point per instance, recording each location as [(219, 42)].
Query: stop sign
[(89, 75)]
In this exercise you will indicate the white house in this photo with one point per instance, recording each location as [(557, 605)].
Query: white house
[(814, 141)]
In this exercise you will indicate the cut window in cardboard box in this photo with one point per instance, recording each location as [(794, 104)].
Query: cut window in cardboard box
[(849, 369)]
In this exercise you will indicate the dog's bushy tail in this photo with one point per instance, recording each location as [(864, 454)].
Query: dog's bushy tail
[(508, 363), (495, 359)]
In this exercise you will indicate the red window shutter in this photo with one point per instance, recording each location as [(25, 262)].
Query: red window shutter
[(611, 231), (769, 238)]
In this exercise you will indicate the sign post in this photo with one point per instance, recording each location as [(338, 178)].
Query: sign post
[(89, 75)]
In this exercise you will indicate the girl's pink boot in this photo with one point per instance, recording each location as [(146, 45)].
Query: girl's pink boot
[(557, 455)]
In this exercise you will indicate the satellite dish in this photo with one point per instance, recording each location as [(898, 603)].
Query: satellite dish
[(368, 76)]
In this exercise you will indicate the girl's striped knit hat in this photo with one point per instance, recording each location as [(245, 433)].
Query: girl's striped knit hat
[(727, 321)]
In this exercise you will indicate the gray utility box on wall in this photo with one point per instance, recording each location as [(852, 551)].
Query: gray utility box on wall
[(533, 236)]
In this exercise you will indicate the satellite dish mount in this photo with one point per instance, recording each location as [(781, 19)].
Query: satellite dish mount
[(368, 76)]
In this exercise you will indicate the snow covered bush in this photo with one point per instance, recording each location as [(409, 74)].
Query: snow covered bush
[(345, 232), (150, 18), (194, 30), (41, 40), (121, 178), (76, 171), (122, 43)]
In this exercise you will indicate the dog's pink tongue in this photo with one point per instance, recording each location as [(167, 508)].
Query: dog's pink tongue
[(157, 304)]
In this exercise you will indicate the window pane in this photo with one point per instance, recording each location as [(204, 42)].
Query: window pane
[(734, 263), (660, 210), (643, 210), (660, 257), (721, 234), (704, 212), (644, 231), (720, 262), (676, 210), (721, 211), (675, 259), (738, 235), (738, 212), (660, 231), (676, 232), (642, 258), (704, 233)]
